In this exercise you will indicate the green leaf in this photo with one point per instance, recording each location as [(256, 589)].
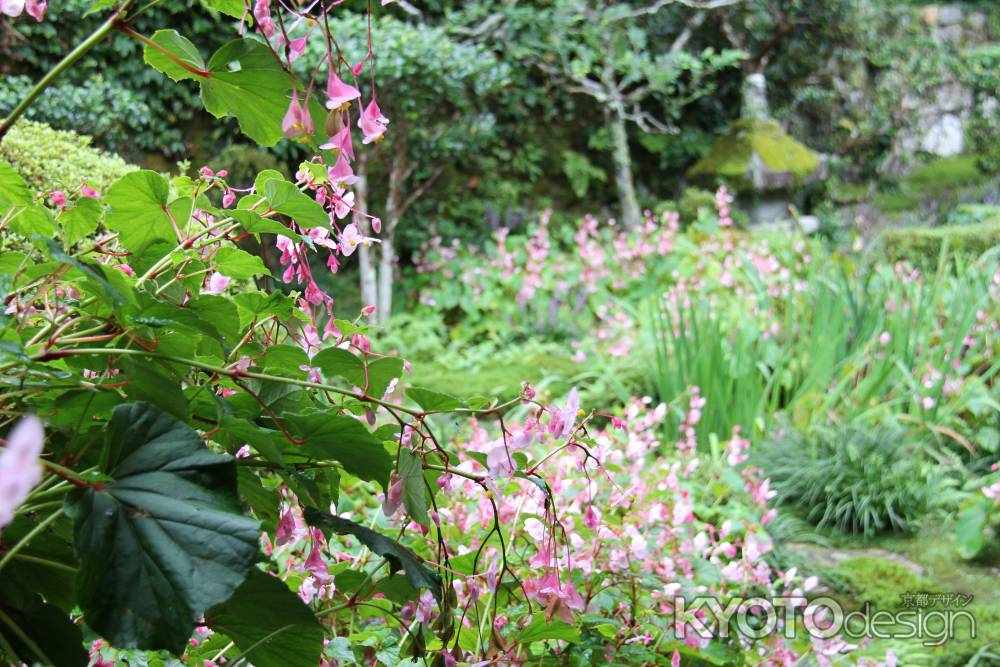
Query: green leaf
[(38, 632), (81, 220), (270, 625), (288, 200), (248, 83), (180, 47), (33, 219), (343, 439), (147, 381), (433, 401), (163, 542), (399, 557), (380, 374), (255, 223), (14, 189), (969, 536), (138, 202), (541, 629), (337, 362), (411, 473), (237, 263), (243, 79), (233, 8)]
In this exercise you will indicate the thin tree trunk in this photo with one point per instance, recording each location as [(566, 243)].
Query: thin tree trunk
[(366, 259), (387, 259), (631, 217)]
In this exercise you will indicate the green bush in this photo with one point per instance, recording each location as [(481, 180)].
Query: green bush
[(880, 582), (855, 478), (59, 160), (105, 111), (693, 200), (922, 245), (244, 162)]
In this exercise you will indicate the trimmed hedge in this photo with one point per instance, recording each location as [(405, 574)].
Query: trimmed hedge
[(922, 245), (59, 159)]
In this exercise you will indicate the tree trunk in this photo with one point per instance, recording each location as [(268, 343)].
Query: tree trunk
[(631, 217), (387, 260), (366, 258)]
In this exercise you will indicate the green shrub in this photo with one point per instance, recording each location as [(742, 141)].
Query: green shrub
[(922, 245), (59, 160), (110, 114), (244, 162), (855, 478), (693, 200)]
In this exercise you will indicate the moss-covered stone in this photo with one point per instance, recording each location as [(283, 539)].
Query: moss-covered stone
[(756, 155), (880, 582), (922, 245)]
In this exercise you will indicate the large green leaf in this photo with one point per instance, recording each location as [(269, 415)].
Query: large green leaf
[(14, 189), (399, 557), (166, 539), (343, 439), (969, 531), (270, 625), (411, 473), (237, 263), (242, 78), (138, 212)]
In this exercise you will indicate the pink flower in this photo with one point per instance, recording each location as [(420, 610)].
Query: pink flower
[(87, 191), (339, 94), (262, 12), (215, 284), (372, 123), (297, 120), (286, 529), (58, 198), (393, 497), (368, 311), (315, 563), (36, 9), (341, 142), (341, 172), (559, 600), (342, 203), (351, 238), (296, 47), (12, 8), (228, 198), (127, 270), (20, 470)]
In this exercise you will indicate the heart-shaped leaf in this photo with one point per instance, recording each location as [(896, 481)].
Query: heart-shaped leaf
[(166, 539)]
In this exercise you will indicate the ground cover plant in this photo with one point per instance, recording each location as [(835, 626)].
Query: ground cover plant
[(539, 442)]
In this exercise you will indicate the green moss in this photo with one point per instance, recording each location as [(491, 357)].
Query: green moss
[(59, 160), (922, 245), (731, 157), (944, 174), (693, 200), (879, 582), (500, 379)]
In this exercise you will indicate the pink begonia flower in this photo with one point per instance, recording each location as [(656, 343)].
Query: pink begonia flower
[(393, 497), (87, 191), (559, 600), (351, 238), (12, 8), (563, 420), (372, 123), (368, 311), (36, 9), (20, 469), (228, 198), (343, 203), (341, 142), (127, 270), (297, 120), (296, 48), (339, 94), (58, 198), (377, 225), (216, 284), (262, 12), (286, 529), (341, 173)]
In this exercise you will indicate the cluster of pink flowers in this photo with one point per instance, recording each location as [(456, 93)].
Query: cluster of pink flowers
[(34, 8), (20, 469)]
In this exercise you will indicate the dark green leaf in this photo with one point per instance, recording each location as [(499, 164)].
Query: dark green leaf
[(288, 200), (270, 625), (411, 473), (38, 632), (337, 362), (399, 557), (343, 439), (164, 541)]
